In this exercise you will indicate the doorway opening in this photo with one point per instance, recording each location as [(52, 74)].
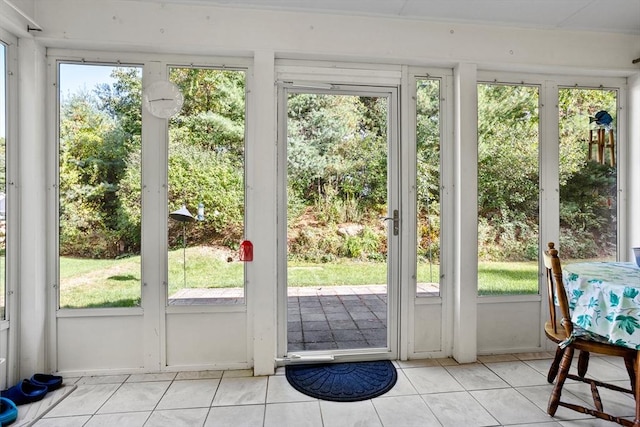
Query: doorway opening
[(342, 219)]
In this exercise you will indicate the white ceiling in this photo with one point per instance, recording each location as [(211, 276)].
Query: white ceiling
[(621, 16)]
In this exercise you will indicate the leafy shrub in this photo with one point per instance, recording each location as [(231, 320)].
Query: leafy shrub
[(509, 240), (429, 232), (315, 245), (200, 176), (365, 245), (93, 150), (330, 208), (588, 212)]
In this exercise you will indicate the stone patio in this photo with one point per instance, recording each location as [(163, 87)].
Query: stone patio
[(337, 317), (320, 318)]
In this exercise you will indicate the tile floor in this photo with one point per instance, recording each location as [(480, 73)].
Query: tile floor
[(497, 391)]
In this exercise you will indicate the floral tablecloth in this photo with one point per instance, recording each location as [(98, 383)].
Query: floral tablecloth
[(604, 298)]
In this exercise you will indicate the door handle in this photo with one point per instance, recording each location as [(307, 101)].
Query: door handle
[(396, 221)]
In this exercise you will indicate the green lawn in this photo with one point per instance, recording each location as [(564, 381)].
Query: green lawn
[(86, 282), (499, 278), (116, 283)]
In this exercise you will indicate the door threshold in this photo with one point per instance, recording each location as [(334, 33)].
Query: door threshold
[(299, 358)]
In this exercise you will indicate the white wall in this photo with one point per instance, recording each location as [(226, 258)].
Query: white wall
[(133, 25)]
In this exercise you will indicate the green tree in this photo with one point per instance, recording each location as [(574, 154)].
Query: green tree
[(213, 114), (100, 158), (428, 140), (507, 150), (508, 173), (428, 167), (508, 170), (93, 150), (206, 153), (122, 100), (588, 190), (338, 141), (337, 172)]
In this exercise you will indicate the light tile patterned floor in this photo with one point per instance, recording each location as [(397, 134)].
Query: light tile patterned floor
[(497, 391)]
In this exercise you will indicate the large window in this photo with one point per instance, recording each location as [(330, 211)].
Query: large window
[(206, 188), (428, 184), (99, 185), (588, 173), (508, 189), (100, 209)]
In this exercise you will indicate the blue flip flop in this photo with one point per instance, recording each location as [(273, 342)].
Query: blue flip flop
[(8, 411), (52, 382), (25, 392)]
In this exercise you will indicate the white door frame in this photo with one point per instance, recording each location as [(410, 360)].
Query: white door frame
[(394, 203)]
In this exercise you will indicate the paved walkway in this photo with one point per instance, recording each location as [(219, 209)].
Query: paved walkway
[(320, 318), (337, 317)]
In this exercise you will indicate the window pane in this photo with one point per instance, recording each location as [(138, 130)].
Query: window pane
[(3, 181), (99, 189), (588, 174), (206, 188), (428, 186), (508, 189)]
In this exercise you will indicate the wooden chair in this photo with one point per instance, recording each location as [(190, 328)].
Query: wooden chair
[(555, 331), (586, 344)]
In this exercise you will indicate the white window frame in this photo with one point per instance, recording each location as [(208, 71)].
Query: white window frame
[(12, 218)]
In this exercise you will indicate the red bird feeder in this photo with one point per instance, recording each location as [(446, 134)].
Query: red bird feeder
[(246, 251)]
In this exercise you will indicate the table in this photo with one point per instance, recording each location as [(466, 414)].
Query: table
[(604, 299)]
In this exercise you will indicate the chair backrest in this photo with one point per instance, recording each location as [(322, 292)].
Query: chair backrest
[(556, 288)]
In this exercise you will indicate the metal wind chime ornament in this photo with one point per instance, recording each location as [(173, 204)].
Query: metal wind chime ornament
[(183, 216), (603, 127)]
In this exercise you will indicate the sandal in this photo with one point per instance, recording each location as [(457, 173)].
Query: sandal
[(52, 382), (8, 411), (25, 392)]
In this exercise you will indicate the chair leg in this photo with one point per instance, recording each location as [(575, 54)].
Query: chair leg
[(629, 363), (636, 389), (565, 364), (583, 363), (553, 370)]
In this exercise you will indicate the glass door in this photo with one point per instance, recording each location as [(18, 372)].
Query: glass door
[(342, 219)]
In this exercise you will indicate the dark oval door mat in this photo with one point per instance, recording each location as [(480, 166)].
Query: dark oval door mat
[(343, 382)]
